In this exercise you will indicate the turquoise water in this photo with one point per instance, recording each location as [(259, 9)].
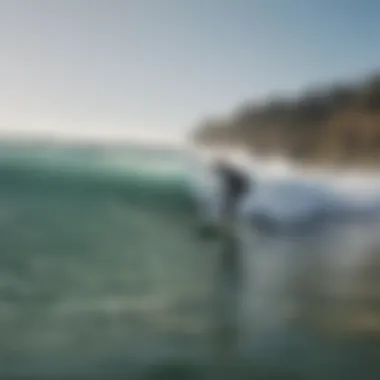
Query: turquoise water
[(103, 275), (97, 261)]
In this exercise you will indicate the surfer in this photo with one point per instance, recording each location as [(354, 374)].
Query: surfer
[(235, 184)]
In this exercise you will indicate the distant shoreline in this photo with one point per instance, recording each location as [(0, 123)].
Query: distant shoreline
[(337, 125)]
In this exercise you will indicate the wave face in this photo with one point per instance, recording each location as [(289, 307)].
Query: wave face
[(102, 271), (97, 251)]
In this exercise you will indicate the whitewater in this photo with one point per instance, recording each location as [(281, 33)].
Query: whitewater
[(103, 272)]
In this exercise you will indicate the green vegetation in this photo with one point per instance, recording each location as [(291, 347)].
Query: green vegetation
[(339, 124)]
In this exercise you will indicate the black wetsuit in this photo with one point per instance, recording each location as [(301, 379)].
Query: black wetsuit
[(235, 186)]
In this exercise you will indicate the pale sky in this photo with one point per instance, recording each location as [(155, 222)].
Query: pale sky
[(157, 67)]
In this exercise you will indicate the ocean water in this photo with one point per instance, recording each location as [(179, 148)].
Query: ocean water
[(98, 258), (104, 275)]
